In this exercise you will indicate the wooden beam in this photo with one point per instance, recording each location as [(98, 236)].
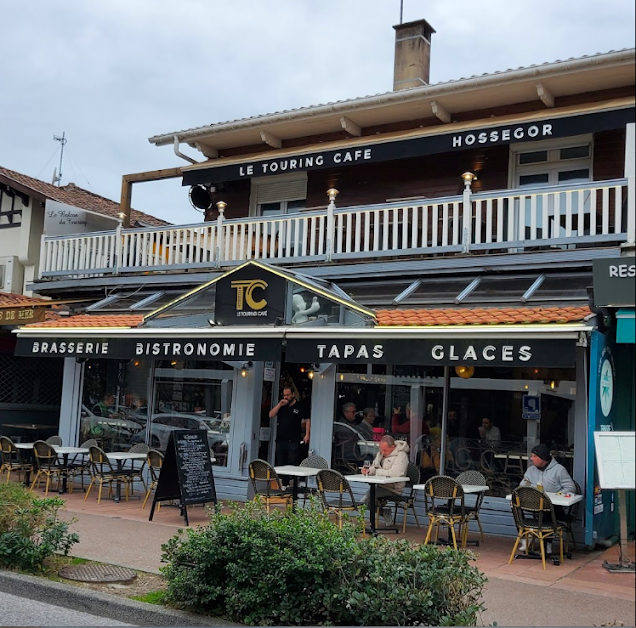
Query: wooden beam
[(350, 127), (441, 112), (127, 182), (209, 151), (545, 95), (271, 140)]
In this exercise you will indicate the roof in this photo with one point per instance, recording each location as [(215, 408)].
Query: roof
[(92, 321), (483, 316), (9, 299), (73, 195), (386, 318), (588, 73)]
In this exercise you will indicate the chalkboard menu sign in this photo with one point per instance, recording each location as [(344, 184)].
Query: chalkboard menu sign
[(186, 474)]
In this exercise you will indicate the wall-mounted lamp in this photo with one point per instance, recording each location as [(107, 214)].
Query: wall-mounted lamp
[(310, 375), (331, 194), (245, 368), (468, 178), (465, 372)]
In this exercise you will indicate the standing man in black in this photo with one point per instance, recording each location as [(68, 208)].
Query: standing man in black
[(289, 432)]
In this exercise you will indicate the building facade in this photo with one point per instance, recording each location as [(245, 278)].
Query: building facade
[(425, 254)]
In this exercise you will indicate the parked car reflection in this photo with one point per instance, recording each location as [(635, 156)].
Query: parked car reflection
[(217, 431), (112, 433)]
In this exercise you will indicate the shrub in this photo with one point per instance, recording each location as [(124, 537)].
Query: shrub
[(30, 531), (297, 568)]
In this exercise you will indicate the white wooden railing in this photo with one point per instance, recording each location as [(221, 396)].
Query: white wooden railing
[(513, 220)]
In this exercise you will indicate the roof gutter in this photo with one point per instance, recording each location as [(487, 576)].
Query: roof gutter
[(418, 93), (178, 153)]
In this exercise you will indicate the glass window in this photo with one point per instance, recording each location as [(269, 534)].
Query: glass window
[(570, 176), (575, 152), (115, 407), (534, 157), (528, 180), (193, 395)]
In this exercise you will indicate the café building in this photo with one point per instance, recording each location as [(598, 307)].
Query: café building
[(426, 254)]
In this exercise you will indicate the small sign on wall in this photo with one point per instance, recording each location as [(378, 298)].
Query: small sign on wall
[(63, 219)]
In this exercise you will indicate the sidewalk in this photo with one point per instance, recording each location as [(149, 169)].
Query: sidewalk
[(579, 592)]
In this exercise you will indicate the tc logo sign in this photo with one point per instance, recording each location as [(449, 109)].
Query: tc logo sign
[(245, 294)]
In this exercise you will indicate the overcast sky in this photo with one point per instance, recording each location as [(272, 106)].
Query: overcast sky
[(112, 73)]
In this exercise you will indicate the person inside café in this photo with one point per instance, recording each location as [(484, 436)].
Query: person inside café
[(365, 427), (346, 436), (106, 407), (431, 455), (489, 434), (289, 431), (392, 461)]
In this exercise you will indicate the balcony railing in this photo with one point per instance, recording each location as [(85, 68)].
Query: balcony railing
[(511, 220)]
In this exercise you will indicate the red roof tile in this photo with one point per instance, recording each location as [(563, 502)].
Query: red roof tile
[(482, 316), (73, 195), (8, 299), (87, 321)]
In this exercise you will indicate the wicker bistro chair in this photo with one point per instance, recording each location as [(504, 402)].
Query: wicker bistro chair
[(336, 494), (472, 510), (136, 469), (54, 440), (267, 484), (535, 519), (10, 458), (46, 464), (403, 501), (154, 463), (102, 472), (313, 462), (444, 504), (80, 464)]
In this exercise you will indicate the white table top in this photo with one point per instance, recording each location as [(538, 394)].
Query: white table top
[(468, 488), (301, 472), (517, 455), (560, 499), (376, 479), (369, 443), (24, 445), (125, 455), (71, 450)]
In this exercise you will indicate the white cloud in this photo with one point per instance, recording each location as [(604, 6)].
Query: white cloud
[(111, 74)]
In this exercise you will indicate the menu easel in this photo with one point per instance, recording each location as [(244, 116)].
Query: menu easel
[(186, 474), (615, 455)]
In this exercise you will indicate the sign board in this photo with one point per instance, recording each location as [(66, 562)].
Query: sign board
[(614, 284), (430, 144), (531, 407), (22, 315), (186, 474), (154, 348), (432, 352), (63, 219), (616, 459), (250, 296)]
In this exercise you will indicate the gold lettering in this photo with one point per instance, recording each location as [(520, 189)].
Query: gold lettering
[(245, 293)]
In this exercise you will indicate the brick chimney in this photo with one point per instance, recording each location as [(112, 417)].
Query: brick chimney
[(412, 55)]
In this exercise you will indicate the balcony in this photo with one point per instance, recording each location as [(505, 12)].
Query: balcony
[(511, 221)]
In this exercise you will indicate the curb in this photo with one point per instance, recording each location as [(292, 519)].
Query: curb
[(101, 604)]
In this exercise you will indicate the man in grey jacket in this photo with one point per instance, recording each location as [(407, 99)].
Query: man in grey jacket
[(546, 472)]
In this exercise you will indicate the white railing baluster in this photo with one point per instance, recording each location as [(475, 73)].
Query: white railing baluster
[(618, 211), (489, 220), (477, 229), (606, 208), (435, 225), (568, 214), (533, 217)]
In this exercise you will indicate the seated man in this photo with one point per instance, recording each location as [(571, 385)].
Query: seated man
[(489, 433), (391, 461), (552, 477)]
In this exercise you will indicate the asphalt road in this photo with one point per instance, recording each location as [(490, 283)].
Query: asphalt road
[(20, 611)]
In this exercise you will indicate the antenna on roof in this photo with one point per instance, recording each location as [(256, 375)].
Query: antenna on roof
[(401, 11), (57, 173)]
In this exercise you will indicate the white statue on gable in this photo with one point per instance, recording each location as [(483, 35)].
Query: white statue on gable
[(301, 311)]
